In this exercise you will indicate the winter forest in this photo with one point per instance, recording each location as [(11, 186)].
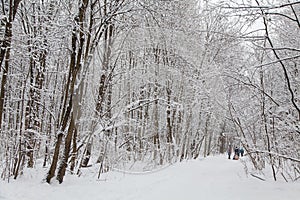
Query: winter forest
[(114, 83)]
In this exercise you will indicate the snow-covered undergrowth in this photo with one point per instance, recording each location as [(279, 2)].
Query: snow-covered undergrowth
[(213, 178)]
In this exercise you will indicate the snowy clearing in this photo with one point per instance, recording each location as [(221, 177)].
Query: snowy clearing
[(213, 178)]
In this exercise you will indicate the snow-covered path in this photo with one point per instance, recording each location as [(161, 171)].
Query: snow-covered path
[(213, 178)]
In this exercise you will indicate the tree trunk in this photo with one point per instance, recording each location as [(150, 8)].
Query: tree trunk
[(74, 150), (5, 52), (52, 169), (170, 146), (68, 141), (156, 137)]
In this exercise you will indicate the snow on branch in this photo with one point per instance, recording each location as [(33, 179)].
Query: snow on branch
[(262, 7), (276, 154), (277, 61)]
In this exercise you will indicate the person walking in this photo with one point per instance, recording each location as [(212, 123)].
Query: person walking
[(242, 151), (229, 151), (236, 153)]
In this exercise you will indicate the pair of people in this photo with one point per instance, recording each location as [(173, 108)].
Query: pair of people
[(237, 152)]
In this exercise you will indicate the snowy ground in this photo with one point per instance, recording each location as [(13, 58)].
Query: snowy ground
[(213, 178)]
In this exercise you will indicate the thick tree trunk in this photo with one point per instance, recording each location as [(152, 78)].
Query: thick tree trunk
[(67, 110), (5, 52), (68, 140), (75, 67), (53, 166)]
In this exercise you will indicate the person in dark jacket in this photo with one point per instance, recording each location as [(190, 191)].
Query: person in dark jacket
[(236, 153), (229, 151), (242, 151)]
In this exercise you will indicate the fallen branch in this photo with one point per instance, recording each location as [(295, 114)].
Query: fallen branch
[(255, 176)]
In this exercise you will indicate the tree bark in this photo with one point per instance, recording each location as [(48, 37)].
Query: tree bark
[(75, 67), (170, 150), (68, 141)]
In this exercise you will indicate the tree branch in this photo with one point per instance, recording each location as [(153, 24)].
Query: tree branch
[(262, 7), (281, 62), (275, 154), (276, 61)]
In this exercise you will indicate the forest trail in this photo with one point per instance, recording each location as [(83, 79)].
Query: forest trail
[(212, 178)]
